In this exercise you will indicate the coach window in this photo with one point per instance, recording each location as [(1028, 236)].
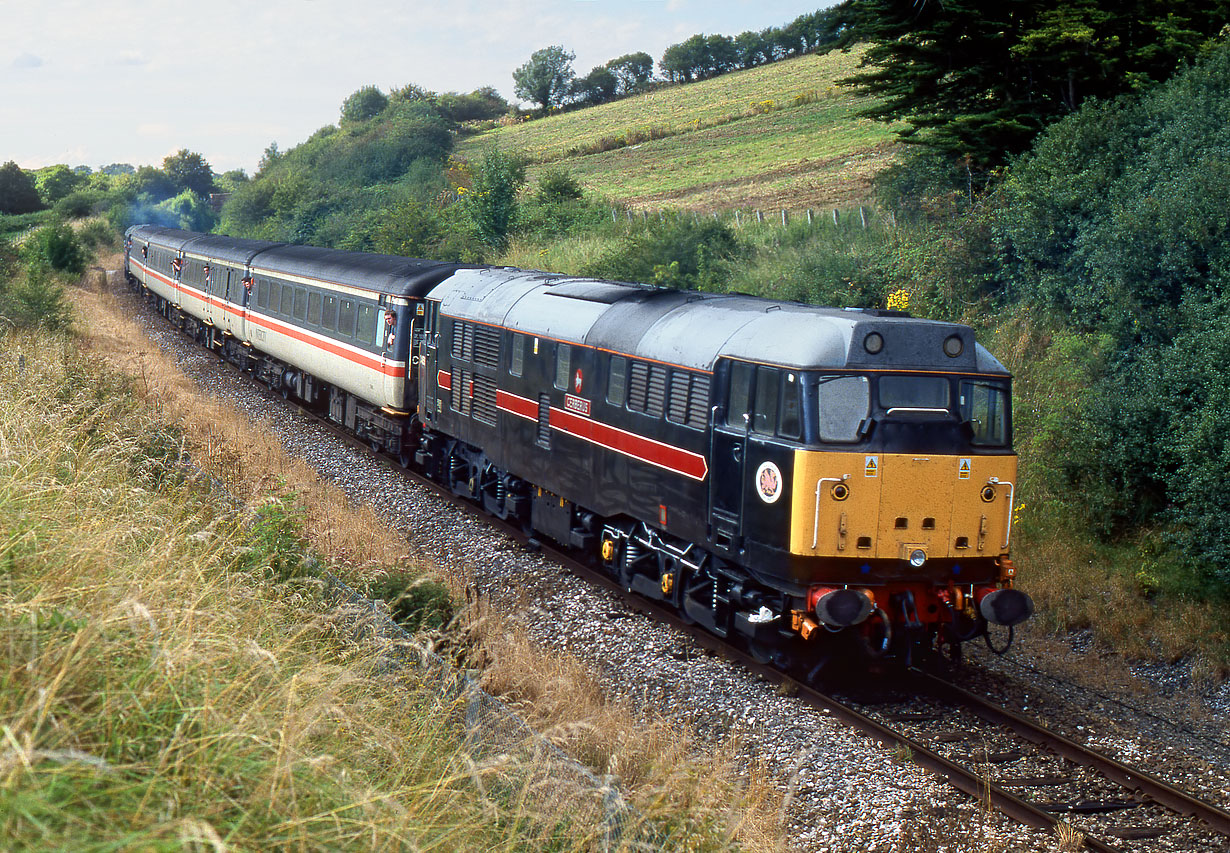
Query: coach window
[(345, 318), (764, 421), (329, 320), (740, 398), (516, 362), (617, 382), (300, 303), (313, 316), (788, 415), (367, 324), (288, 300), (563, 363), (262, 293)]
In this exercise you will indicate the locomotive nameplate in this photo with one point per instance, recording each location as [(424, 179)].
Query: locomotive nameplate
[(577, 405)]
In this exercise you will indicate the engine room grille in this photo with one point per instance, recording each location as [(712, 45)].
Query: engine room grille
[(463, 389), (486, 346), (483, 403)]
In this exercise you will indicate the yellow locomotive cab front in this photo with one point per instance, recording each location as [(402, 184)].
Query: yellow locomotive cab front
[(890, 506)]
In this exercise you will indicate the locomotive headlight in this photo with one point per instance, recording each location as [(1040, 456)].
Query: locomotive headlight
[(953, 346), (917, 557), (873, 343)]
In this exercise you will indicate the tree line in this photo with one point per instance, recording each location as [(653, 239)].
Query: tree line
[(548, 79)]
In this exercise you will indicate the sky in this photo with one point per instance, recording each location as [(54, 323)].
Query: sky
[(130, 81)]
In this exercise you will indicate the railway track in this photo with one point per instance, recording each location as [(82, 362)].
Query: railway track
[(1207, 827)]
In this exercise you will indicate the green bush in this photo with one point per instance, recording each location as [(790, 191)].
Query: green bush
[(416, 603), (492, 200), (679, 252), (34, 298), (276, 542), (557, 184), (55, 247)]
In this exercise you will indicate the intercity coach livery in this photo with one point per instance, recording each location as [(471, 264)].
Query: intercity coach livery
[(805, 481)]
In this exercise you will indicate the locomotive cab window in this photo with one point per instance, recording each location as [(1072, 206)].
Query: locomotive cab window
[(764, 419), (985, 408), (738, 402), (844, 404), (919, 394), (788, 421)]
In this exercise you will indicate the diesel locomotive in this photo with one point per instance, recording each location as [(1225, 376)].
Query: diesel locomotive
[(802, 480)]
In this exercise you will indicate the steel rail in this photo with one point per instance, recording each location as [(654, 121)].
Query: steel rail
[(1137, 781)]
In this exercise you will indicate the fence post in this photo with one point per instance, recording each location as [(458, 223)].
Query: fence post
[(835, 215), (760, 216), (737, 222), (614, 215), (862, 215), (785, 218), (809, 217)]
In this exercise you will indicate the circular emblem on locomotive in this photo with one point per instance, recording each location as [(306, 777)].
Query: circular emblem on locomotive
[(577, 380), (768, 482)]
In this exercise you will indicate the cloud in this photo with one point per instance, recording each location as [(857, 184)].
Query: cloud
[(130, 58), (28, 60)]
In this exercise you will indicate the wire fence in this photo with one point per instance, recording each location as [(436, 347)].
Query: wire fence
[(859, 216)]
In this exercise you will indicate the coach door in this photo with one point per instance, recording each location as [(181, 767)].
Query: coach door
[(728, 450)]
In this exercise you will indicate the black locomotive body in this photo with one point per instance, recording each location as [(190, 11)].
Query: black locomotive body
[(770, 469)]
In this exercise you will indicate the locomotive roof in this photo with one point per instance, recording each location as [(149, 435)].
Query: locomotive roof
[(693, 329)]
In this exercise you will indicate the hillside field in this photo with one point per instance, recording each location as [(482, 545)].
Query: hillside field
[(782, 135)]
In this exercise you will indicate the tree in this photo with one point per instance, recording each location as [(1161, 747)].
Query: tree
[(546, 78), (364, 104), (188, 170), (116, 169), (55, 182), (17, 191), (632, 71), (980, 78), (596, 87), (752, 49)]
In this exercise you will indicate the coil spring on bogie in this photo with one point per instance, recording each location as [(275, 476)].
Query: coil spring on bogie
[(632, 552)]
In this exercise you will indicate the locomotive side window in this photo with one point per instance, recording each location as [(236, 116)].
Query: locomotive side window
[(367, 324), (329, 317), (313, 315), (764, 421), (516, 362), (985, 408), (844, 403), (617, 381), (563, 365), (788, 422), (345, 318), (740, 399)]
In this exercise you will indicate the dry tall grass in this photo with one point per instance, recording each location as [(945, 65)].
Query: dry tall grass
[(159, 691), (668, 778)]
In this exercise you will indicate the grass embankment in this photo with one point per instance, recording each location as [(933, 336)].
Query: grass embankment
[(174, 680), (160, 688), (780, 136)]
